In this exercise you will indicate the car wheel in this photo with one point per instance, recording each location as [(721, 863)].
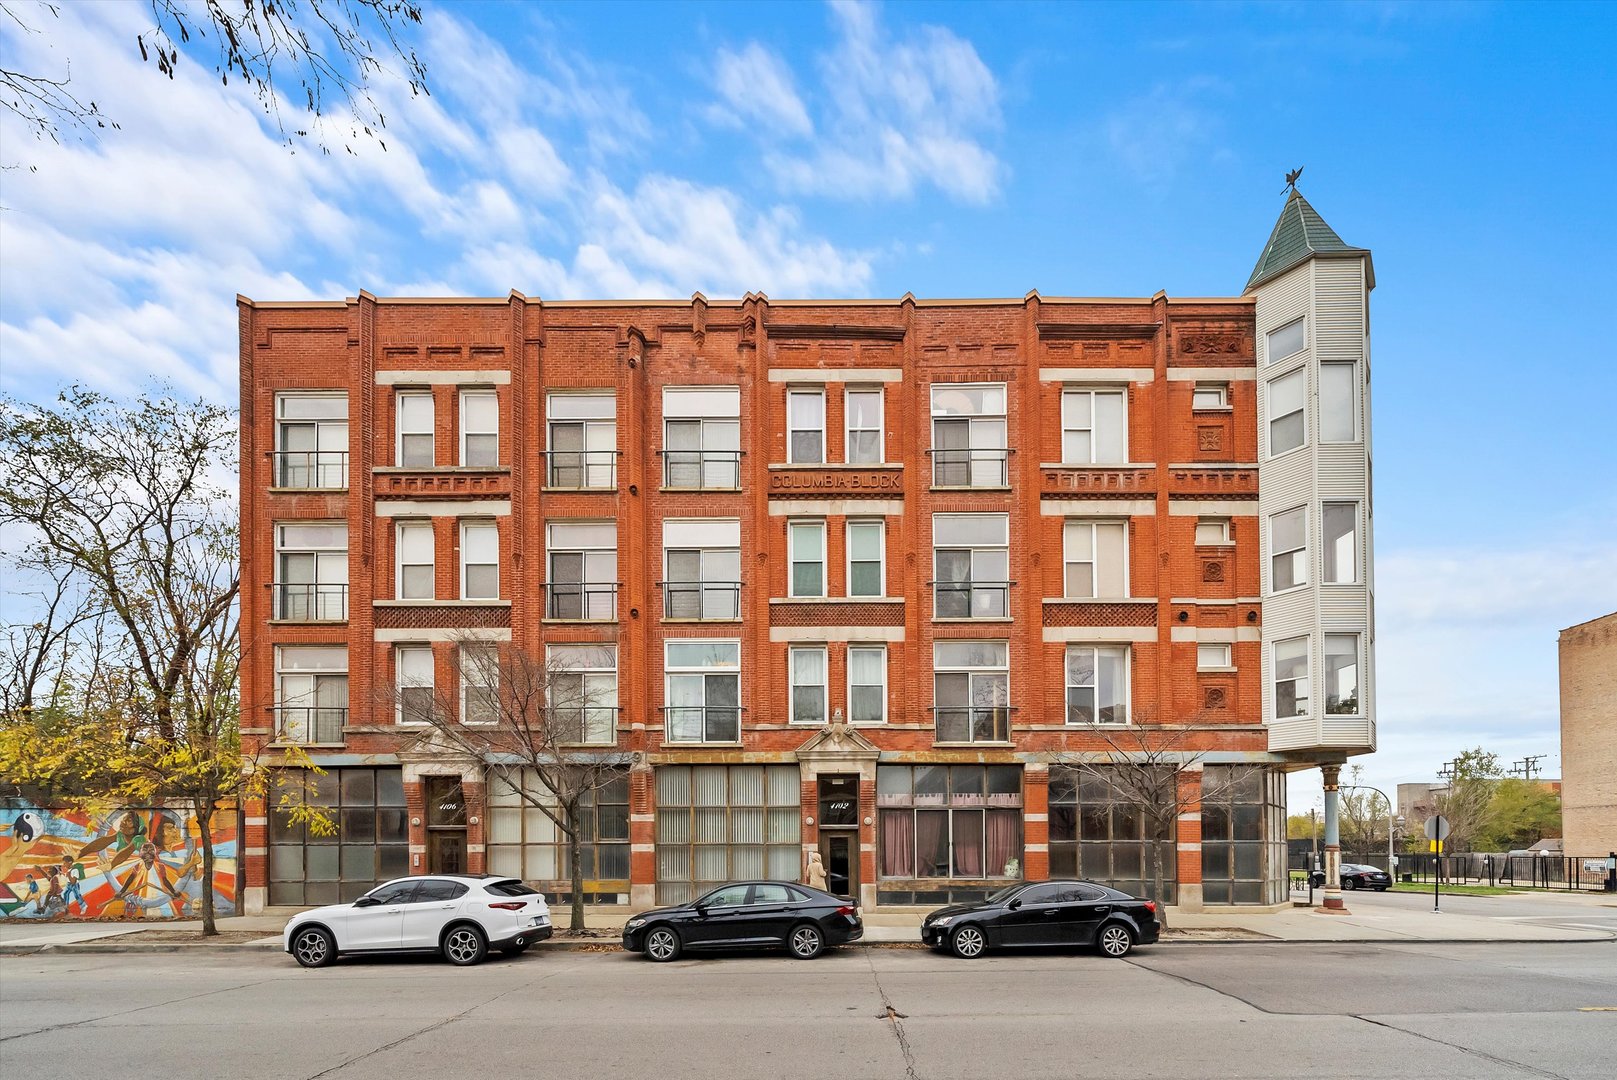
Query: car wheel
[(806, 941), (967, 942), (1116, 940), (464, 946), (1349, 884), (314, 947), (662, 945)]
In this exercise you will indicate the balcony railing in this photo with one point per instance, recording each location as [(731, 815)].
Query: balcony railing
[(971, 599), (573, 725), (310, 724), (581, 601), (971, 468), (702, 470), (581, 470), (310, 602), (311, 469), (972, 723), (701, 599), (702, 723)]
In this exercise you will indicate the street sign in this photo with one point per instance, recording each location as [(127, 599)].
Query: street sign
[(1437, 827)]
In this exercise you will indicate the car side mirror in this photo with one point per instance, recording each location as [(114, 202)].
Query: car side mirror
[(701, 909), (367, 901), (1014, 904)]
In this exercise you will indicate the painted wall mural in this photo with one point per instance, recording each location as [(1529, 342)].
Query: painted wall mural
[(129, 863)]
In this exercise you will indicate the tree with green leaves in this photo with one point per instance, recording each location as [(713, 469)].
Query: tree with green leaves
[(1520, 814)]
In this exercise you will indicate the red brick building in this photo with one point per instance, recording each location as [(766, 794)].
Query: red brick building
[(862, 577)]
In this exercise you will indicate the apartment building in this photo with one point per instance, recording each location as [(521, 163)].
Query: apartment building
[(869, 578)]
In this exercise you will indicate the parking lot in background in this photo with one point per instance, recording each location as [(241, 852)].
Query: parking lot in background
[(1235, 1010)]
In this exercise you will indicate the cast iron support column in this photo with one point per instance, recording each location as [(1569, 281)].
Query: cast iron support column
[(1333, 840)]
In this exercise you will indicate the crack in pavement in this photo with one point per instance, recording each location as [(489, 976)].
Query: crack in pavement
[(894, 1017), (1483, 1054), (434, 1026), (126, 1012)]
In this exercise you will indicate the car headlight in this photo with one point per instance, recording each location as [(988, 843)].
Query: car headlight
[(634, 924), (945, 921)]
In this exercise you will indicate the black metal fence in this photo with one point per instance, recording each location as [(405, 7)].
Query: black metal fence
[(1549, 871)]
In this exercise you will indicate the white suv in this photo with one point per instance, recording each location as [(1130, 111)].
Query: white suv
[(462, 917)]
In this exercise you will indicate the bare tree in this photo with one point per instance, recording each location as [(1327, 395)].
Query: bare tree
[(38, 651), (1360, 823), (533, 725), (315, 54), (1146, 767)]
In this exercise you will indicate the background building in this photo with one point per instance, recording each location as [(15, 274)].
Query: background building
[(1589, 737), (871, 578)]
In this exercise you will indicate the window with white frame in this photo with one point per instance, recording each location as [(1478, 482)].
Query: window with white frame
[(1094, 427), (1339, 540), (1285, 341), (806, 553), (971, 566), (413, 675), (1095, 557), (583, 440), (1338, 402), (1291, 678), (701, 569), (311, 693), (479, 428), (1342, 675), (703, 691), (971, 691), (1288, 549), (805, 427), (969, 447), (1212, 656), (583, 576), (479, 560), (311, 440), (1210, 396), (414, 545), (479, 670), (702, 437), (867, 684), (417, 435), (1212, 530), (867, 543), (584, 693), (1288, 426), (863, 420), (1097, 684), (311, 571), (808, 665)]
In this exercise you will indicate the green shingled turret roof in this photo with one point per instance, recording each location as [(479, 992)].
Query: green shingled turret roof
[(1299, 234)]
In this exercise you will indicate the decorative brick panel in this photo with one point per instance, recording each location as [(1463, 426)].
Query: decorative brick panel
[(1100, 614), (1213, 482), (441, 617), (1088, 483), (891, 614), (440, 484)]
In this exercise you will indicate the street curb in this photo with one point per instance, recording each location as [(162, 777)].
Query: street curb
[(274, 946)]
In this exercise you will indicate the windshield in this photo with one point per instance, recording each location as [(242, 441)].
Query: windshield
[(1003, 894)]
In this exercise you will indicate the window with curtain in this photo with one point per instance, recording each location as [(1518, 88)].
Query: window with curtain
[(718, 823), (417, 438), (808, 669), (479, 428), (864, 425), (1094, 427), (806, 540), (1096, 559), (949, 821), (866, 550), (805, 427), (583, 440), (867, 684)]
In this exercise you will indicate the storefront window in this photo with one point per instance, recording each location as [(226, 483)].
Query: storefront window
[(523, 842), (949, 821), (718, 823), (1243, 835), (371, 844), (1100, 831)]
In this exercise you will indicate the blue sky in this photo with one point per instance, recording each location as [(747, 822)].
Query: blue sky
[(947, 150)]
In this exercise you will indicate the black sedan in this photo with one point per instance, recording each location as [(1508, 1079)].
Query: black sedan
[(1359, 876), (1045, 913), (747, 915)]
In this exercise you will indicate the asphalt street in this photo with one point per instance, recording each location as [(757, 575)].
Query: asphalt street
[(1581, 911), (1232, 1010)]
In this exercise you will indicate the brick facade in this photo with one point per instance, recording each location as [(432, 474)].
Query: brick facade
[(1184, 464)]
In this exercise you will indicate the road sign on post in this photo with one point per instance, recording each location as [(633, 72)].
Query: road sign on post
[(1437, 831)]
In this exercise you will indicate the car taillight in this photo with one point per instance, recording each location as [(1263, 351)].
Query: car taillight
[(510, 905), (1151, 906), (847, 909)]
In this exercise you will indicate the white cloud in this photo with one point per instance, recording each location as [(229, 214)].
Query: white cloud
[(901, 111), (757, 85), (1158, 134)]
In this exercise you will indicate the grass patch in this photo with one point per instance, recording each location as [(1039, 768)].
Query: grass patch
[(1455, 890)]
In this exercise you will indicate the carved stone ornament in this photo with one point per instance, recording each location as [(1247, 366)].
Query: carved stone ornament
[(1209, 438), (1209, 345), (1216, 697), (1212, 570)]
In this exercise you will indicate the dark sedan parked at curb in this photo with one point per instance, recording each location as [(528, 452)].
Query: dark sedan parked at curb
[(747, 915), (1359, 876), (1045, 913)]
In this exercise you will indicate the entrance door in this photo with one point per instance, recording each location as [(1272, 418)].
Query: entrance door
[(446, 851), (840, 853), (446, 826)]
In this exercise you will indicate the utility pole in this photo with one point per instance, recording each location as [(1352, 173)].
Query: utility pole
[(1313, 839)]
